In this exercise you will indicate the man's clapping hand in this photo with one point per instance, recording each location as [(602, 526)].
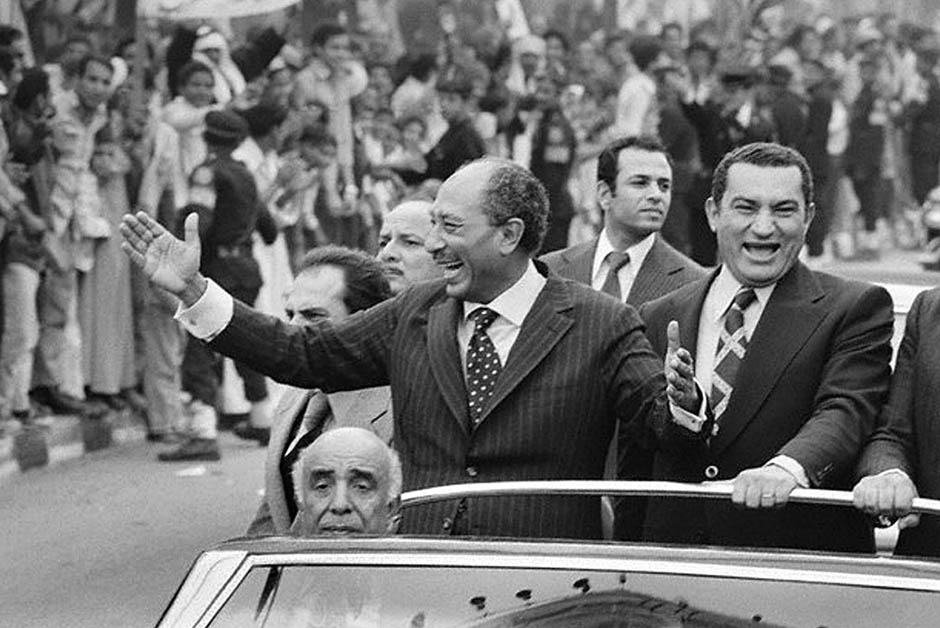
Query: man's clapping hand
[(168, 262)]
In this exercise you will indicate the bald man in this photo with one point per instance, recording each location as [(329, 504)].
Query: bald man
[(401, 246), (348, 481)]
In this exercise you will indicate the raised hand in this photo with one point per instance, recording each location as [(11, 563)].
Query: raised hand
[(168, 262), (680, 372)]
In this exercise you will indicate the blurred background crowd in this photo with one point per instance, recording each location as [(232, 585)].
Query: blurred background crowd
[(353, 106)]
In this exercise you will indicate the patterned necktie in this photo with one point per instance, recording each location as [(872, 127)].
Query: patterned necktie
[(615, 261), (483, 364), (732, 343)]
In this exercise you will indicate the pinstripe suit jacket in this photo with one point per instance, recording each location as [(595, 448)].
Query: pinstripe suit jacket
[(665, 269), (370, 409), (580, 364), (810, 386), (908, 433)]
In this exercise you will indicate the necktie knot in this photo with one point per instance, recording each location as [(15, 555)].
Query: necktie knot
[(744, 298), (482, 318), (617, 260)]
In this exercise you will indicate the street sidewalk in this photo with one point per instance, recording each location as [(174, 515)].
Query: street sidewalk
[(52, 439)]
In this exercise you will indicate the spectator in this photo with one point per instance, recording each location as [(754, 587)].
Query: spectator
[(461, 143), (187, 113), (334, 78), (636, 101)]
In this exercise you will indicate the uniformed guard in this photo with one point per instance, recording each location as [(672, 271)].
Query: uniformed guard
[(222, 191)]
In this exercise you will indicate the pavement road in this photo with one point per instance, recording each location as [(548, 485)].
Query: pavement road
[(105, 540)]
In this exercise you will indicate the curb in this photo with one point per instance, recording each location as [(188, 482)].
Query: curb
[(50, 440)]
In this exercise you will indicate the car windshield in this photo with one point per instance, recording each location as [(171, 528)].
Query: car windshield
[(440, 596)]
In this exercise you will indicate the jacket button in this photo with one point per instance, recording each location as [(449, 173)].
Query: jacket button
[(472, 472), (711, 472), (448, 523)]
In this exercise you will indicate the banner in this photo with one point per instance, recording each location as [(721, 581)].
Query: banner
[(207, 9)]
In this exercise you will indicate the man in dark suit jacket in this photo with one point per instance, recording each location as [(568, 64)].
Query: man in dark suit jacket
[(800, 403), (902, 459), (634, 190), (498, 372), (332, 283)]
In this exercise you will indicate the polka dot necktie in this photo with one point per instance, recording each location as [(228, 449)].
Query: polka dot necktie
[(615, 261), (732, 344), (483, 364)]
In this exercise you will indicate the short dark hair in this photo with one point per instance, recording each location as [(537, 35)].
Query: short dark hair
[(9, 34), (422, 66), (560, 36), (607, 165), (263, 118), (644, 51), (35, 82), (325, 32), (514, 192), (767, 155), (317, 134), (702, 46), (193, 67), (366, 283), (87, 60)]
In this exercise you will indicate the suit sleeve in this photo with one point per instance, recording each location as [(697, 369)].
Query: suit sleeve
[(346, 356), (892, 444), (853, 388)]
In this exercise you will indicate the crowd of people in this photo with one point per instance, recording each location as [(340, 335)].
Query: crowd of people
[(325, 177)]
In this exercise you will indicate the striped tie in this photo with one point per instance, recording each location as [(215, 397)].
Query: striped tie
[(483, 365), (732, 343), (615, 261)]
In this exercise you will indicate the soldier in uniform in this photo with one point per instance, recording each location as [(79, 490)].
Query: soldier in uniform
[(222, 192)]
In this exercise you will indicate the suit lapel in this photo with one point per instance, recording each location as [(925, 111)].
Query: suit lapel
[(541, 330), (361, 408), (580, 262), (290, 410), (649, 278), (445, 357), (794, 311), (687, 310)]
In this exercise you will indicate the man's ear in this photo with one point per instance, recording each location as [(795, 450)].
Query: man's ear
[(711, 213), (810, 214), (394, 515), (604, 195), (511, 235)]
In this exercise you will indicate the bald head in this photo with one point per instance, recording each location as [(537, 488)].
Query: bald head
[(348, 482), (401, 246)]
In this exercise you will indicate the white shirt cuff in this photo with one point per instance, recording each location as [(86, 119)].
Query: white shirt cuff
[(691, 422), (792, 467), (206, 318), (898, 471)]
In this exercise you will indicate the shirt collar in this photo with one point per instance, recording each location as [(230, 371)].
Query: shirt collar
[(637, 252), (515, 302), (723, 290)]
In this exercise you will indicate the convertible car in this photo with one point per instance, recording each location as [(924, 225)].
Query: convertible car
[(489, 583)]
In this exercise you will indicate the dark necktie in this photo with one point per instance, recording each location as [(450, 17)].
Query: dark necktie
[(483, 366), (732, 343), (615, 261)]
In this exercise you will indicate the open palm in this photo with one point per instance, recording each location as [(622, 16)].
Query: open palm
[(168, 262)]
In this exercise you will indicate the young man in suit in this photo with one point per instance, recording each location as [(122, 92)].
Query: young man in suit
[(489, 367), (332, 283), (630, 261), (634, 190), (795, 365), (900, 461)]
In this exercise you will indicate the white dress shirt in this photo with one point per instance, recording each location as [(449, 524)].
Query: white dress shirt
[(512, 306), (717, 302), (627, 274)]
